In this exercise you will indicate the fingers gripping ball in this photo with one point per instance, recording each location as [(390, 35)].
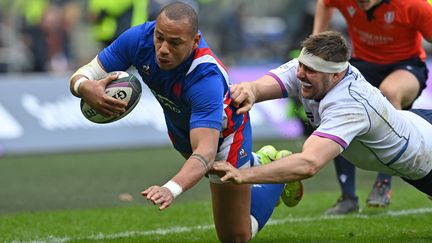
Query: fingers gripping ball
[(127, 88)]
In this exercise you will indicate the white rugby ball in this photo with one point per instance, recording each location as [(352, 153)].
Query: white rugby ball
[(127, 88)]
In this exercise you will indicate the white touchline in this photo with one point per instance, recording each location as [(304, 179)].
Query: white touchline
[(181, 229)]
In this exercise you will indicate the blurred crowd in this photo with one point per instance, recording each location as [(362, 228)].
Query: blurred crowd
[(60, 35)]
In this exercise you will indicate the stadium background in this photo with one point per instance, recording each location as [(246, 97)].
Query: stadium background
[(42, 41), (51, 158)]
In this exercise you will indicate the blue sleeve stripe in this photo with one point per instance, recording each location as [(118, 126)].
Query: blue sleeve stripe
[(206, 124)]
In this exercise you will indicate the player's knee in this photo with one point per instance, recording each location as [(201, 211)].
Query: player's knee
[(392, 95), (389, 91)]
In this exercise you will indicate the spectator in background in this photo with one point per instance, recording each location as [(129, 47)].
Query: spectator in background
[(232, 36), (46, 30), (110, 18), (387, 49)]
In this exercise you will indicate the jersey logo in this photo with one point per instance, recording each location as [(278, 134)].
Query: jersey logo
[(242, 153), (351, 10), (166, 102), (145, 69), (176, 89), (389, 17)]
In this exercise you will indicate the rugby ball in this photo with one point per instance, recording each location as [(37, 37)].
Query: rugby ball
[(127, 88)]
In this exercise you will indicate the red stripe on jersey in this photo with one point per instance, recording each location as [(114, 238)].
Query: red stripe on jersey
[(207, 51), (176, 89), (237, 143), (229, 113)]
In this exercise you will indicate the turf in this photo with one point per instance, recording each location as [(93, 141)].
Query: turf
[(75, 198)]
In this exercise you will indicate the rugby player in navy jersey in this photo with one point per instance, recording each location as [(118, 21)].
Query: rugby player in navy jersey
[(192, 87)]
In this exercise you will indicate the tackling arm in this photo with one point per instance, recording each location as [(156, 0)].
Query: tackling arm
[(245, 94), (317, 152)]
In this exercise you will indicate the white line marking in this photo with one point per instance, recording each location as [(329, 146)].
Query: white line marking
[(180, 229)]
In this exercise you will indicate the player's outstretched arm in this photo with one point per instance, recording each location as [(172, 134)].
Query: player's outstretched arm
[(245, 94), (204, 143), (316, 153)]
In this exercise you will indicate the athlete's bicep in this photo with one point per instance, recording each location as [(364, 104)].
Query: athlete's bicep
[(286, 77), (320, 150), (343, 118), (206, 98), (268, 87)]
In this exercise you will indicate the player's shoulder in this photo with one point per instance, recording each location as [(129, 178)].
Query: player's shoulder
[(411, 6), (205, 59), (286, 67), (352, 82), (142, 31), (409, 2)]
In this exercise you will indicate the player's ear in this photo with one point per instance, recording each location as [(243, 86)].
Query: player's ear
[(197, 39), (337, 76)]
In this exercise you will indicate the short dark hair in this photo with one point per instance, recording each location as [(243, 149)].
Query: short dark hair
[(329, 45), (179, 11)]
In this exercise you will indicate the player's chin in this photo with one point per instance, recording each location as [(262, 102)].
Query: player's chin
[(165, 64)]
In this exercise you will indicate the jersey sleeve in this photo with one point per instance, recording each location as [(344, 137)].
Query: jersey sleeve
[(421, 15), (342, 121), (120, 54), (286, 76), (206, 97)]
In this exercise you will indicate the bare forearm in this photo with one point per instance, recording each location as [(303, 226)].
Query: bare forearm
[(204, 143), (267, 88), (191, 173), (291, 168)]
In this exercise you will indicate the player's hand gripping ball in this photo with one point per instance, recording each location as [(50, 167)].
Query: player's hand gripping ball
[(127, 88)]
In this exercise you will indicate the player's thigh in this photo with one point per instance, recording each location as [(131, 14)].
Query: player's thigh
[(231, 210), (401, 87)]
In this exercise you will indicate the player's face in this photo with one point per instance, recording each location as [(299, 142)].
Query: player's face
[(367, 4), (315, 85), (173, 42)]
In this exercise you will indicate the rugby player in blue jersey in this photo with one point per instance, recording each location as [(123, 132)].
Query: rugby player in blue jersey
[(192, 86)]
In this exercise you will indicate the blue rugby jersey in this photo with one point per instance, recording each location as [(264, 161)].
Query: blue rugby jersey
[(194, 94)]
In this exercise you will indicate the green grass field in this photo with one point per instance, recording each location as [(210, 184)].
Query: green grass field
[(77, 197)]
